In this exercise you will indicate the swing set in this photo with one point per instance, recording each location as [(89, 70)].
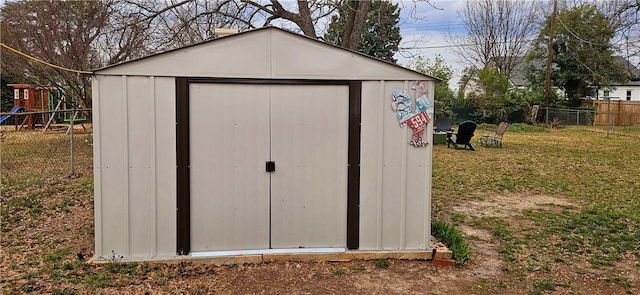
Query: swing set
[(44, 106)]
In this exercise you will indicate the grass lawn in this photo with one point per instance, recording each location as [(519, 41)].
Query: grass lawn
[(553, 210), (596, 224)]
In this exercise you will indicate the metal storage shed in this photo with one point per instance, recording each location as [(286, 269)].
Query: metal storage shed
[(260, 142)]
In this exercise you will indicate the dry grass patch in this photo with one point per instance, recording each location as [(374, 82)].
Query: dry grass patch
[(551, 212)]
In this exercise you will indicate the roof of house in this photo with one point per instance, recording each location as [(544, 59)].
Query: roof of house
[(624, 63), (518, 74), (518, 77)]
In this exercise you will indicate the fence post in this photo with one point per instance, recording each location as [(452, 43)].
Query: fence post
[(73, 116), (608, 114), (546, 120)]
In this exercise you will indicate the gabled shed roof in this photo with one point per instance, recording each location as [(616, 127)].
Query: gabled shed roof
[(265, 53)]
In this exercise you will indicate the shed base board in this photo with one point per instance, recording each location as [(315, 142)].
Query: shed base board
[(267, 251), (349, 255)]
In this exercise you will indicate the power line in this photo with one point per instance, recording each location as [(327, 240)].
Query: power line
[(576, 36), (42, 61), (458, 45)]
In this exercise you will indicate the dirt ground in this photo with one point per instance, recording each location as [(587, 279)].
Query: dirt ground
[(31, 262)]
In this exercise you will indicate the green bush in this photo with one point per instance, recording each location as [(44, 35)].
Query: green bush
[(452, 237)]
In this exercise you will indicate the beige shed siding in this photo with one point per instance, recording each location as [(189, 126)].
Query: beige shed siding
[(165, 135), (140, 129), (110, 169), (294, 61), (139, 187), (417, 213), (394, 208), (264, 54), (97, 164), (371, 140)]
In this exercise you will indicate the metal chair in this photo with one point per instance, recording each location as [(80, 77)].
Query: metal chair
[(494, 139)]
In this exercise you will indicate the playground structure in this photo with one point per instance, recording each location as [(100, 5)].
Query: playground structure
[(43, 106)]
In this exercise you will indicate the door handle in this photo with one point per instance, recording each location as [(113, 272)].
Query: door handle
[(270, 166)]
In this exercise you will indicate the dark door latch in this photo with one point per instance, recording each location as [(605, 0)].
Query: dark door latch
[(271, 166)]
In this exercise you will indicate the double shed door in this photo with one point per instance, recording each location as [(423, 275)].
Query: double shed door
[(234, 130)]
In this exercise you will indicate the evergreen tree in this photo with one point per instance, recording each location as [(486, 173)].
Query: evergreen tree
[(381, 34), (581, 52)]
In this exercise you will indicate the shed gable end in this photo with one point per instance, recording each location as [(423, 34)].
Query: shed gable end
[(267, 53)]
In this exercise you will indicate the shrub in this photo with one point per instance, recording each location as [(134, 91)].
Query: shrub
[(453, 239)]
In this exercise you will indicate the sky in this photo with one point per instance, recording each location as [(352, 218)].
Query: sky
[(424, 27)]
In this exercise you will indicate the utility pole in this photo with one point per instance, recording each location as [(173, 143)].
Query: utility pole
[(547, 83)]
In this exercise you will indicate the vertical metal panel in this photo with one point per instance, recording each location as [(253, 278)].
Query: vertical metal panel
[(229, 144), (403, 183), (426, 231), (140, 130), (125, 159), (383, 105), (97, 165), (418, 161), (153, 222), (373, 104), (113, 193), (165, 162), (394, 145), (309, 146)]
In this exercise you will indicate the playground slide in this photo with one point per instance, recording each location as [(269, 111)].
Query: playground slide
[(13, 111)]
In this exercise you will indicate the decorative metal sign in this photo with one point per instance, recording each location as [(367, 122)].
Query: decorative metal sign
[(417, 118)]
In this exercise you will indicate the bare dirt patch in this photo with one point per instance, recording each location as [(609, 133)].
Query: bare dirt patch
[(487, 260), (509, 205)]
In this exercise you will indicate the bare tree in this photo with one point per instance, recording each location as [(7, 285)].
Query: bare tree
[(178, 23), (69, 34), (59, 33), (188, 21), (624, 16), (498, 32)]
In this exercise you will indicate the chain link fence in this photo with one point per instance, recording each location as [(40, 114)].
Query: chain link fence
[(36, 146), (610, 117), (566, 116)]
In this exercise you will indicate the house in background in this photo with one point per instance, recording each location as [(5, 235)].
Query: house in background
[(622, 91), (629, 90)]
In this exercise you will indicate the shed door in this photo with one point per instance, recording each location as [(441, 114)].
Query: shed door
[(234, 130)]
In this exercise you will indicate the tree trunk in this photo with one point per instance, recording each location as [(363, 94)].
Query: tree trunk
[(305, 22), (356, 16)]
